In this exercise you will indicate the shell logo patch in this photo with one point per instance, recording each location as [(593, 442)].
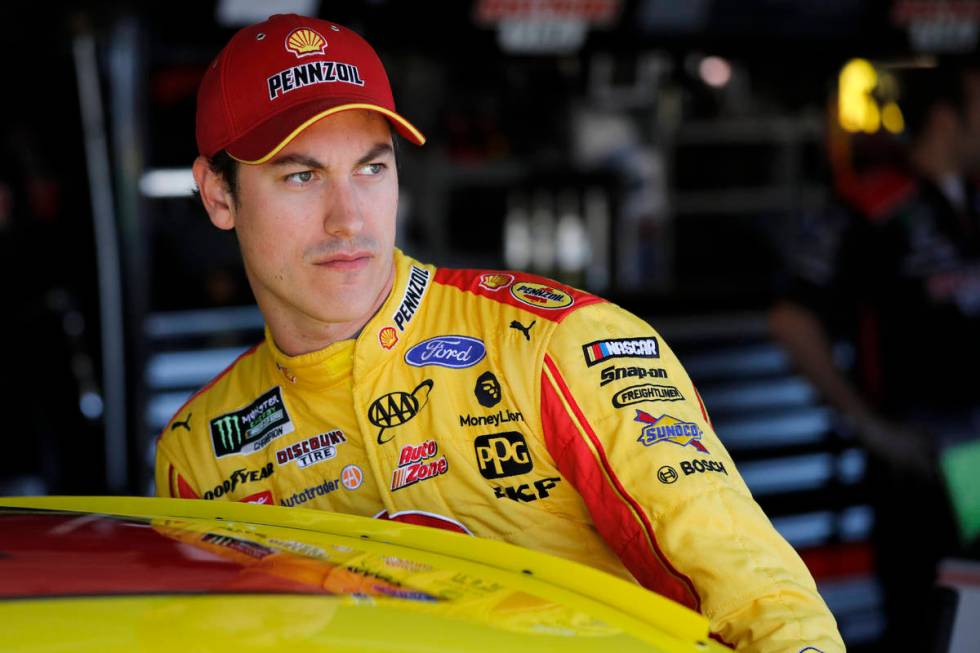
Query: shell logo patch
[(540, 295), (388, 337), (304, 42), (668, 429), (495, 282)]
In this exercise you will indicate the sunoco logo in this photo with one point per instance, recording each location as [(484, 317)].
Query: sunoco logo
[(252, 428), (540, 295), (396, 408), (502, 454)]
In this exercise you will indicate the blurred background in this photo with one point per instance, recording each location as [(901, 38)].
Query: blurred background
[(667, 154)]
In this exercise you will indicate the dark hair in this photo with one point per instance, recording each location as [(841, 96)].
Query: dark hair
[(223, 165)]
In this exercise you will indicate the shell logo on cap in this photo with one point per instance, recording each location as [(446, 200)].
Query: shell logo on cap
[(304, 42)]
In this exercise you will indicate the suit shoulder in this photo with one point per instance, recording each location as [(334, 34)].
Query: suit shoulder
[(214, 396), (531, 293)]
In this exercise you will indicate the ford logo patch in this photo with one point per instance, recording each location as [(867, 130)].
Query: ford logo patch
[(447, 351)]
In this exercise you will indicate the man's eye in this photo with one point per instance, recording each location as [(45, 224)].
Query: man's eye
[(301, 177), (373, 169)]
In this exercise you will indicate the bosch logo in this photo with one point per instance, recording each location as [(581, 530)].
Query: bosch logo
[(667, 474), (502, 454)]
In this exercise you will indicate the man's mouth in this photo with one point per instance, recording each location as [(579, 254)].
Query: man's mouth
[(344, 261)]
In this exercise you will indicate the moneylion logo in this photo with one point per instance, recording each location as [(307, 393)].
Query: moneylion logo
[(396, 408)]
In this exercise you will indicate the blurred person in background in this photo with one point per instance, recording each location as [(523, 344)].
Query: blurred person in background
[(894, 266), (497, 404)]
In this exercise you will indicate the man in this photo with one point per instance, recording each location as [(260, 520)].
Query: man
[(895, 267), (497, 404)]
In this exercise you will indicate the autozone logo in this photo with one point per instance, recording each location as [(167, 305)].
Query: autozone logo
[(415, 465), (311, 450), (502, 454)]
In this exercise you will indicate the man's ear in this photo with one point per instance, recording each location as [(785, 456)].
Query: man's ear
[(215, 196)]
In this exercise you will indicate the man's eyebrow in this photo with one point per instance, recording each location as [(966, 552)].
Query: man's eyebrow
[(378, 150), (296, 159)]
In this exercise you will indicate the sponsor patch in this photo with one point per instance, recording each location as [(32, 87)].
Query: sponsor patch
[(310, 74), (498, 418), (525, 330), (540, 295), (602, 350), (263, 498), (388, 337), (310, 493), (502, 454), (667, 475), (418, 283), (698, 466), (528, 492), (645, 392), (304, 42), (311, 451), (239, 477), (614, 373), (252, 428), (495, 281), (352, 476), (396, 408), (487, 390), (668, 429), (455, 352), (416, 464)]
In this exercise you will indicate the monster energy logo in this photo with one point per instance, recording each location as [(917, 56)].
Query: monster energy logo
[(251, 428)]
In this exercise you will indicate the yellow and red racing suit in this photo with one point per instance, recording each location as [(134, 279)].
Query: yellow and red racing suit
[(507, 406)]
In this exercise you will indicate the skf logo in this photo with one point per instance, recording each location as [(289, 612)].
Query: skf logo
[(540, 295), (601, 350), (413, 468), (525, 492), (388, 337), (502, 454), (396, 408), (494, 282), (668, 429), (304, 42)]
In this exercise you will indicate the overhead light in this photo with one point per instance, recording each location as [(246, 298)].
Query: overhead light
[(238, 13), (715, 71)]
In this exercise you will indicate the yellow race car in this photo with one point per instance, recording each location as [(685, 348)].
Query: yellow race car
[(177, 576)]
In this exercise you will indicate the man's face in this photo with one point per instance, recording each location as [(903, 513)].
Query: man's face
[(316, 223)]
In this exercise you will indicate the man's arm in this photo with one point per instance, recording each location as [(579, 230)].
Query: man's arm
[(627, 428), (804, 337)]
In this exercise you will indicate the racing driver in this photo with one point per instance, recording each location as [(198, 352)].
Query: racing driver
[(498, 404)]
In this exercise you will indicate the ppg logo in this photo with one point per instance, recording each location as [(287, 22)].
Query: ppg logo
[(502, 454)]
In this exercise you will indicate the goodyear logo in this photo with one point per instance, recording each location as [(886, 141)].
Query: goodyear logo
[(396, 408), (540, 296), (502, 454), (602, 350), (668, 429), (253, 427)]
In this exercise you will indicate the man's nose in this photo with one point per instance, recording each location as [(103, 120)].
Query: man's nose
[(343, 216)]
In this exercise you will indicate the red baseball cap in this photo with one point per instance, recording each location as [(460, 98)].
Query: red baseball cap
[(276, 78)]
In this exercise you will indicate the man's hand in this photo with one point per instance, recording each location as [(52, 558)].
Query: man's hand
[(905, 447)]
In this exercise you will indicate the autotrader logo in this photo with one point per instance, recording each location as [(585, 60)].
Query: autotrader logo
[(502, 454)]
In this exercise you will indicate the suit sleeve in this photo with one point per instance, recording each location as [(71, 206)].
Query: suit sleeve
[(172, 471), (627, 428)]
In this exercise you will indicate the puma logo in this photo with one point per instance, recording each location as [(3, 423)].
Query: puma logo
[(186, 423), (523, 329)]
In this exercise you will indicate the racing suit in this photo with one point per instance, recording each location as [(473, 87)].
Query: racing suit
[(507, 406)]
